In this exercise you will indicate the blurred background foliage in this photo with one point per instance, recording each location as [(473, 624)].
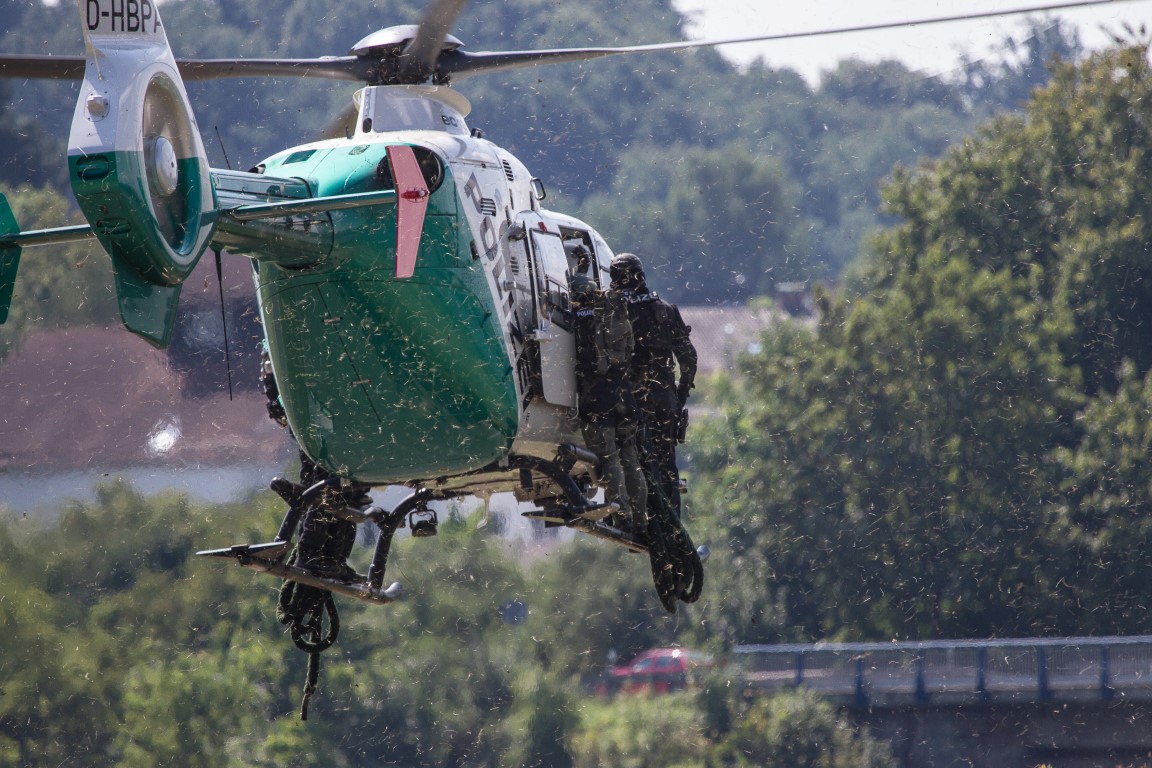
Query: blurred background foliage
[(121, 648)]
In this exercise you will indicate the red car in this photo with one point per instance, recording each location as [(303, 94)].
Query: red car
[(659, 670)]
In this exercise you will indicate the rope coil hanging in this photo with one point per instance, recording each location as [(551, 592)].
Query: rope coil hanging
[(302, 608)]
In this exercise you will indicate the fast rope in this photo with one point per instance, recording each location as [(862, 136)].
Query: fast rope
[(302, 608), (326, 541), (677, 571)]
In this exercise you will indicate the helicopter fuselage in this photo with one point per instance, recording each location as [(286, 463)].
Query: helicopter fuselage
[(434, 378)]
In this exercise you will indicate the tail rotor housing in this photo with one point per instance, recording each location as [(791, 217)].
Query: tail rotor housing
[(137, 164)]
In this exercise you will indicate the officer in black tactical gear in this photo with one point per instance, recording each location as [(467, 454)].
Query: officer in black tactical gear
[(608, 417), (662, 343)]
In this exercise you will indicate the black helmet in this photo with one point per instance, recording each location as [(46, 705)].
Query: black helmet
[(626, 270)]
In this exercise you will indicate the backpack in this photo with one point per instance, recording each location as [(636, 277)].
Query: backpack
[(613, 340)]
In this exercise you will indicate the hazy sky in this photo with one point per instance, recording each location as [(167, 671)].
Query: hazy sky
[(932, 48)]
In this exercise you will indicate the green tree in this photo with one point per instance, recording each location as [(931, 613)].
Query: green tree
[(899, 472), (1056, 196), (714, 225), (1006, 80), (539, 723), (57, 285), (885, 480), (117, 649), (797, 730), (642, 732), (1104, 513)]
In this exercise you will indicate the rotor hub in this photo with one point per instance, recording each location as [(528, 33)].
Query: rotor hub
[(162, 168), (396, 38)]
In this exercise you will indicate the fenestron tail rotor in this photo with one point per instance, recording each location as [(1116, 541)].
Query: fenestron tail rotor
[(165, 131), (137, 165)]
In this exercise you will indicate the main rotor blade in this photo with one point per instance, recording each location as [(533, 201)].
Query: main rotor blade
[(342, 125), (420, 56), (42, 67), (327, 67), (353, 68), (459, 64), (424, 55)]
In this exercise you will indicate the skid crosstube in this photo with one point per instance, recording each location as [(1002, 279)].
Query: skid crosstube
[(558, 516)]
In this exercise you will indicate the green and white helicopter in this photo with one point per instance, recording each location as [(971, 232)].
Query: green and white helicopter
[(413, 289)]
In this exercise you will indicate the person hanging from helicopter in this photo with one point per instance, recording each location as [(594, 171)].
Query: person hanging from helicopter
[(663, 343), (608, 417)]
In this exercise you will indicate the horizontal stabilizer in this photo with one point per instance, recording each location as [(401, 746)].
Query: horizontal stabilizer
[(12, 241), (46, 236)]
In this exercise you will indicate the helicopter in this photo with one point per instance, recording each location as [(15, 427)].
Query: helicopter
[(412, 287)]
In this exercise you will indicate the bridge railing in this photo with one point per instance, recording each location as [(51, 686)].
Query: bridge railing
[(956, 672)]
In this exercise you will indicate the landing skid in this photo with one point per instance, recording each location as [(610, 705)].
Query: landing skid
[(558, 516), (275, 557), (268, 558)]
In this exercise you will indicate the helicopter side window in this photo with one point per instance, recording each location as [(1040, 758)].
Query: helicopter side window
[(574, 239), (551, 279)]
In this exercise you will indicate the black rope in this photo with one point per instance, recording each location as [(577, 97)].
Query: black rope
[(310, 685), (677, 572), (303, 608)]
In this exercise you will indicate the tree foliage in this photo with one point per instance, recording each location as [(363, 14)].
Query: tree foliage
[(121, 649), (956, 450), (797, 730), (56, 285)]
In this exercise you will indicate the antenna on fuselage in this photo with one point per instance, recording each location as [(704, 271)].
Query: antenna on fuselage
[(224, 320)]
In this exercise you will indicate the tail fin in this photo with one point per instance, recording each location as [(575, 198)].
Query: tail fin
[(9, 258), (137, 164)]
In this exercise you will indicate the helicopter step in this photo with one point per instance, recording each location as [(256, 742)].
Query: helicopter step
[(267, 558)]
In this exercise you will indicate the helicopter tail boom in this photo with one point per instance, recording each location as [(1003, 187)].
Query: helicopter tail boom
[(136, 162)]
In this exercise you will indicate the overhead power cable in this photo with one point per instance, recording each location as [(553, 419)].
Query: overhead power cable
[(913, 22)]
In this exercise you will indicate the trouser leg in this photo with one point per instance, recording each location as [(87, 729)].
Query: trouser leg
[(633, 473), (663, 446), (601, 440)]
